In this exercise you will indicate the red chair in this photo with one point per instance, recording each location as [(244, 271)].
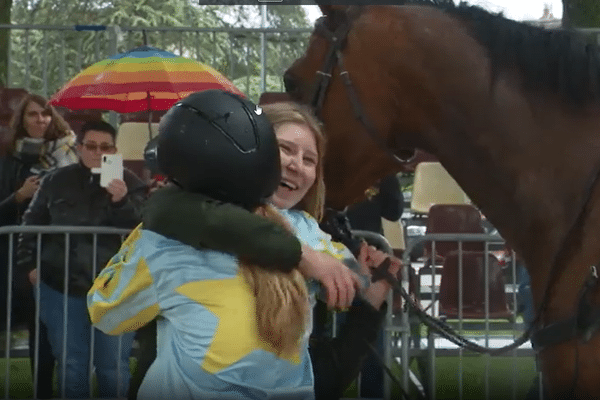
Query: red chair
[(473, 280), (453, 218)]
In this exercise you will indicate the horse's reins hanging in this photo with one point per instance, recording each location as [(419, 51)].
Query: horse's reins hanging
[(587, 319)]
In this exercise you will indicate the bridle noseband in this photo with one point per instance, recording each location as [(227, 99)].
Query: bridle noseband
[(335, 57), (586, 322)]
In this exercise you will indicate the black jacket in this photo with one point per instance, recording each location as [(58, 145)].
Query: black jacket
[(337, 362), (13, 173), (72, 196)]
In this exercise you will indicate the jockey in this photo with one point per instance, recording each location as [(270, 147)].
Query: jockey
[(211, 344)]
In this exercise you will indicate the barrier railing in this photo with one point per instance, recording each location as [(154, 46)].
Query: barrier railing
[(407, 348), (40, 231), (484, 331)]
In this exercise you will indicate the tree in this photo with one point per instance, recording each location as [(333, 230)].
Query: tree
[(235, 54), (581, 13), (6, 6)]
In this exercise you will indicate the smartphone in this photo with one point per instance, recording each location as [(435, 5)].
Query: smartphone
[(111, 168)]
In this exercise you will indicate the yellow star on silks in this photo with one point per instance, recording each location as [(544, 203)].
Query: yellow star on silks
[(232, 302)]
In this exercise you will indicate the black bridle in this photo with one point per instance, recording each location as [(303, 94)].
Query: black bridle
[(586, 321), (335, 57)]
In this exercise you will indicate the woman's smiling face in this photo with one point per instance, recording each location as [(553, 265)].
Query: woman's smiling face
[(299, 160)]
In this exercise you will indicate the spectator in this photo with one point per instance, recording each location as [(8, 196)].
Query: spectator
[(72, 196), (300, 198), (40, 141)]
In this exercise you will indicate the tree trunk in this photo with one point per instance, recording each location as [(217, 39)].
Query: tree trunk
[(566, 21), (5, 7)]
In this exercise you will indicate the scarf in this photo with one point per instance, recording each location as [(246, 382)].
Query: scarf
[(46, 155)]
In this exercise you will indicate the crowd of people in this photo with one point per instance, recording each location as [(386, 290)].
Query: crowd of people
[(220, 274)]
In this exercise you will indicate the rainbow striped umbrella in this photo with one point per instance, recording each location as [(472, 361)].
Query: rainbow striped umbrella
[(142, 79)]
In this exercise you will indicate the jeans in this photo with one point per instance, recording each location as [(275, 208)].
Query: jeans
[(525, 297), (112, 368)]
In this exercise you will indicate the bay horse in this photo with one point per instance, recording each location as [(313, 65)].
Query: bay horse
[(512, 112)]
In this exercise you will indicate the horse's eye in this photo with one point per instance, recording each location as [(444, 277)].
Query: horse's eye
[(290, 82)]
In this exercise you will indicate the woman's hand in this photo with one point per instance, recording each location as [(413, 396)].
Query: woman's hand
[(28, 189), (370, 258), (338, 280)]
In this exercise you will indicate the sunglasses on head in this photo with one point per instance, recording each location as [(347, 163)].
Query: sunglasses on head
[(104, 147)]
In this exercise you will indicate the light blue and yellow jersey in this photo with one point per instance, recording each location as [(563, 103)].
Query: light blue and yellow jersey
[(208, 344), (308, 232)]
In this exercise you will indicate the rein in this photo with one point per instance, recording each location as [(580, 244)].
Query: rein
[(585, 323)]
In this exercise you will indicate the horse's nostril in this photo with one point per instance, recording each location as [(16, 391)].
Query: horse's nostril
[(290, 82)]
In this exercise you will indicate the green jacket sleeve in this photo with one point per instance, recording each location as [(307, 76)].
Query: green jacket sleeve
[(202, 222)]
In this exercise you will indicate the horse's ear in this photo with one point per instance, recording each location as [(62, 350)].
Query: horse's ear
[(330, 10), (334, 15)]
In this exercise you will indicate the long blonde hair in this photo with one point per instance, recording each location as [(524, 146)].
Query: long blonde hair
[(290, 112), (282, 306)]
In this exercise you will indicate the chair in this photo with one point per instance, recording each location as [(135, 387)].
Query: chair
[(132, 138), (393, 231), (473, 294), (453, 218), (434, 185)]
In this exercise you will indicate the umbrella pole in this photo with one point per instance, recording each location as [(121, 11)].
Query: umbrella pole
[(149, 117), (150, 125)]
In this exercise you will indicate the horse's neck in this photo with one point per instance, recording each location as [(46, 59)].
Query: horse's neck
[(527, 167)]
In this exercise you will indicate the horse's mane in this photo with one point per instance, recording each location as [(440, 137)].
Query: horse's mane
[(556, 60)]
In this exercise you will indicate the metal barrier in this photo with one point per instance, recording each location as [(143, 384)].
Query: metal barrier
[(40, 231), (44, 57), (409, 346)]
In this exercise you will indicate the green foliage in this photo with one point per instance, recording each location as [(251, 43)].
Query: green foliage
[(250, 85), (4, 39), (584, 13), (55, 56)]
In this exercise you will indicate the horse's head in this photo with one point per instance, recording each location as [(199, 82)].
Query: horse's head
[(358, 113)]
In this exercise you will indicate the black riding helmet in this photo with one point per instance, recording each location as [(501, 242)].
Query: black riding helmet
[(219, 144), (150, 156)]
